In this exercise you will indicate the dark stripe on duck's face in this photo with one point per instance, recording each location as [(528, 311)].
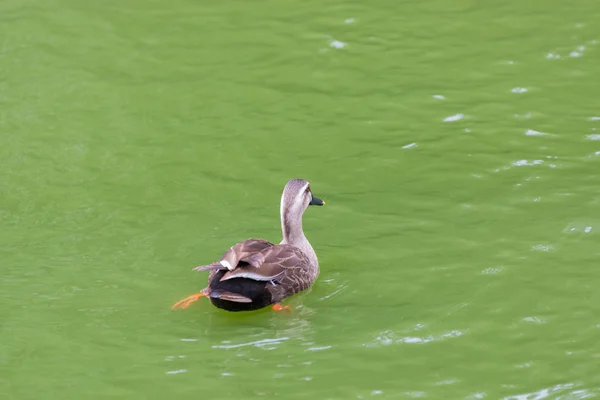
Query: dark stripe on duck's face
[(316, 202)]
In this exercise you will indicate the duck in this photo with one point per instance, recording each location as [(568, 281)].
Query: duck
[(257, 273)]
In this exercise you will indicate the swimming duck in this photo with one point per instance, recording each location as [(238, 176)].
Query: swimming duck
[(256, 273)]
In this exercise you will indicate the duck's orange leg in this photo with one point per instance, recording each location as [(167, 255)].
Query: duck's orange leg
[(279, 307), (185, 303)]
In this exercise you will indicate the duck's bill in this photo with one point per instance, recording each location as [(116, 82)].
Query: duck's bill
[(316, 202)]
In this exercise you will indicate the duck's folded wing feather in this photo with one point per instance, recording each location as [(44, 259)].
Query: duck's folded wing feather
[(277, 261), (248, 251)]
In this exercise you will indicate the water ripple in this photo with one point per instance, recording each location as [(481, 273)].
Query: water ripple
[(578, 227), (455, 117), (177, 371), (525, 163), (334, 293), (389, 337), (318, 348), (336, 44), (492, 270), (478, 395), (542, 247), (531, 132), (521, 163), (552, 391), (266, 344), (535, 320)]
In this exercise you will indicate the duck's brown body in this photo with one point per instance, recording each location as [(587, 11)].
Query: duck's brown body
[(256, 273)]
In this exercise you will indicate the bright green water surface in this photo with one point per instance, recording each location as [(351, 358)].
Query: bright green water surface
[(457, 144)]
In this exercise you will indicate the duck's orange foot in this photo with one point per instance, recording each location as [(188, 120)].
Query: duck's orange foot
[(279, 307), (185, 303)]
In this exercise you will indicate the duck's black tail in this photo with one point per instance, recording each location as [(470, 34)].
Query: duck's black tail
[(238, 294)]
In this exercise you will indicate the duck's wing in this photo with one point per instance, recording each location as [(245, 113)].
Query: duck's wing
[(247, 252), (278, 264)]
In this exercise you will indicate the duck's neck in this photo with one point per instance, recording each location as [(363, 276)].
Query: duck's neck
[(291, 230)]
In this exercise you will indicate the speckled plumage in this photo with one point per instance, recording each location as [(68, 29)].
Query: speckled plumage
[(256, 273)]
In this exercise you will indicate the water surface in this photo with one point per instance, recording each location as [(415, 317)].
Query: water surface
[(457, 146)]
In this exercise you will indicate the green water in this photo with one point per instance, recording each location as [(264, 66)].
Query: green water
[(457, 145)]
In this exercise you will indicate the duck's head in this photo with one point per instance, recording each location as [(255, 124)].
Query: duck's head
[(295, 199), (297, 196)]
